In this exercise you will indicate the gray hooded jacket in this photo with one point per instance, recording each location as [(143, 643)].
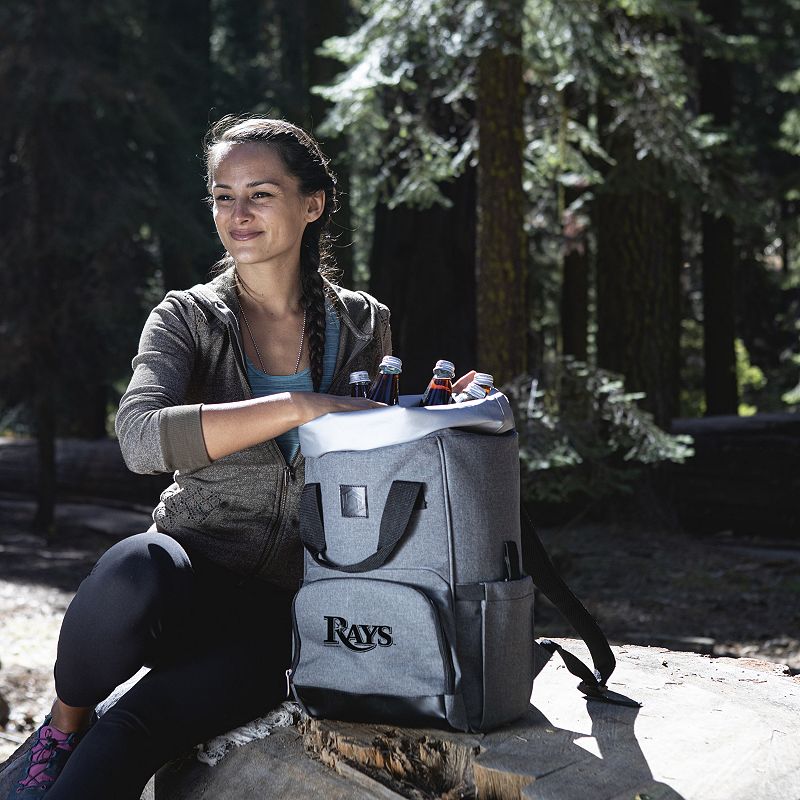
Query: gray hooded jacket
[(240, 511)]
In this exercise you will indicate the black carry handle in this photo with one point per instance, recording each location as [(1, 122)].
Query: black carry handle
[(593, 682), (396, 515)]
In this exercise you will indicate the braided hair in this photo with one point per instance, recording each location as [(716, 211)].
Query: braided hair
[(304, 160)]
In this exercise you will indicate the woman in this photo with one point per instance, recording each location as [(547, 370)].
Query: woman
[(225, 373)]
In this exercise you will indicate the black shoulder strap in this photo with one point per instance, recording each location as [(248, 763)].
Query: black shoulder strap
[(593, 682)]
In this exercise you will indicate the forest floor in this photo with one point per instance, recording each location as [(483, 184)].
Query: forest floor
[(716, 595)]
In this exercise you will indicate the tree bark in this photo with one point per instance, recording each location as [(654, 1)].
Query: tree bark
[(181, 31), (331, 18), (575, 286), (422, 265), (638, 279), (502, 308), (719, 253)]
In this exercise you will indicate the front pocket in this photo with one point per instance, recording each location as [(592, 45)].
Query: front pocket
[(371, 650), (191, 505)]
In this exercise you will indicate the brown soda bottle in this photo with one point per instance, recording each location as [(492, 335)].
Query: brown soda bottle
[(440, 389), (359, 383), (386, 386)]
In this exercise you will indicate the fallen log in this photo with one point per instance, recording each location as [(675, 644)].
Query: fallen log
[(744, 476), (85, 468)]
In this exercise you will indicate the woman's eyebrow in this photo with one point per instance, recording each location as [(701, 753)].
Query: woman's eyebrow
[(249, 185)]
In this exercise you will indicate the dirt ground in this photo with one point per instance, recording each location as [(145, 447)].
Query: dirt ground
[(716, 595)]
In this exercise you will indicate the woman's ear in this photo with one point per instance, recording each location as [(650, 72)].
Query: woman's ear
[(315, 205)]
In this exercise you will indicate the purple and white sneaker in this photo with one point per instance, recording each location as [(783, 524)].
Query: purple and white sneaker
[(46, 758)]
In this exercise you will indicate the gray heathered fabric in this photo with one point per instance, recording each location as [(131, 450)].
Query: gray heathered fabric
[(352, 539), (241, 510), (452, 552), (411, 666), (483, 487)]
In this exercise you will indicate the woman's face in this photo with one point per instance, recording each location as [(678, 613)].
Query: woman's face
[(259, 211)]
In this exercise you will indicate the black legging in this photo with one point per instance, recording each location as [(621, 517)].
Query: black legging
[(218, 651)]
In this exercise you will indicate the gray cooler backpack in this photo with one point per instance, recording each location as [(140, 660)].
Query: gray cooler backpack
[(414, 609)]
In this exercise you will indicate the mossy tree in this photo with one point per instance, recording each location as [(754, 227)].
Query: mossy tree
[(502, 322)]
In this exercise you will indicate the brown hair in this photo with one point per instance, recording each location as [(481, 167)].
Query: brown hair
[(304, 160)]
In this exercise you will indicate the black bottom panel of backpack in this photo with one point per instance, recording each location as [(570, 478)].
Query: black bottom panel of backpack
[(411, 712)]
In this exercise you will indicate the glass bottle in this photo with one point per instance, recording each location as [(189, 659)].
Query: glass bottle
[(386, 386), (440, 389), (472, 391), (359, 383), (484, 380)]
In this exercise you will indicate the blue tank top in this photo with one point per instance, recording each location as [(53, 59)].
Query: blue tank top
[(262, 384)]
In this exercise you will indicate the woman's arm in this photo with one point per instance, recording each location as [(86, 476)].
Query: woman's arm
[(159, 432), (228, 427)]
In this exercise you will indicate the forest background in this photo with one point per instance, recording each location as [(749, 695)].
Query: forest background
[(598, 202)]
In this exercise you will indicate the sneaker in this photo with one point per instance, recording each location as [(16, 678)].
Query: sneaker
[(46, 758)]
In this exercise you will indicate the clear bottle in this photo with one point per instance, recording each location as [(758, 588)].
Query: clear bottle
[(484, 380), (359, 383), (386, 386), (440, 389), (472, 391)]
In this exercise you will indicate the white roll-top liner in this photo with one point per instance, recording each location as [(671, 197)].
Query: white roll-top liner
[(381, 427)]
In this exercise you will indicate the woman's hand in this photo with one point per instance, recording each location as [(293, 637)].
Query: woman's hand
[(461, 383), (311, 405)]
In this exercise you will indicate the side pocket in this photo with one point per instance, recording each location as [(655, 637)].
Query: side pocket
[(495, 650), (507, 651)]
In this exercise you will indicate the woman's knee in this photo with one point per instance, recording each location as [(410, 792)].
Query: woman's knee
[(114, 622), (144, 551)]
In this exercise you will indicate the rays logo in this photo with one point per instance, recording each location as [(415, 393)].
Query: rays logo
[(359, 638)]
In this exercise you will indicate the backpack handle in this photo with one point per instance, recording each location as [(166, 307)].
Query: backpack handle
[(396, 515)]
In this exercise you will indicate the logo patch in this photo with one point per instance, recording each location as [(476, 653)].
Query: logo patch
[(358, 638), (354, 501)]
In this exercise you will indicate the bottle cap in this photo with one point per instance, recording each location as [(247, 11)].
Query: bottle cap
[(473, 391), (362, 376), (483, 379), (392, 362), (445, 365)]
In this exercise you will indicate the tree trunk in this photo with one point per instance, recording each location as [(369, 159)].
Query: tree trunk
[(44, 519), (638, 274), (422, 266), (575, 254), (331, 18), (575, 286), (788, 216), (719, 254), (181, 31), (295, 57), (502, 313)]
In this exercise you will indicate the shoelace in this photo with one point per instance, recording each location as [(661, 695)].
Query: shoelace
[(42, 752)]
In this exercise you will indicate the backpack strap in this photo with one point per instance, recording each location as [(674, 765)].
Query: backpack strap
[(593, 682), (394, 523)]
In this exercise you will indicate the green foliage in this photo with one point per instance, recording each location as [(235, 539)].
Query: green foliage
[(750, 380), (406, 63), (585, 437)]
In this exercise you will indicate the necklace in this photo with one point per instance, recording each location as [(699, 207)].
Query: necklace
[(258, 352)]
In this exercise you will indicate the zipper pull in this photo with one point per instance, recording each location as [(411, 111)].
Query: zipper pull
[(288, 474), (288, 688)]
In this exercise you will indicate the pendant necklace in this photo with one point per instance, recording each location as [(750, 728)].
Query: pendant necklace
[(258, 352)]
